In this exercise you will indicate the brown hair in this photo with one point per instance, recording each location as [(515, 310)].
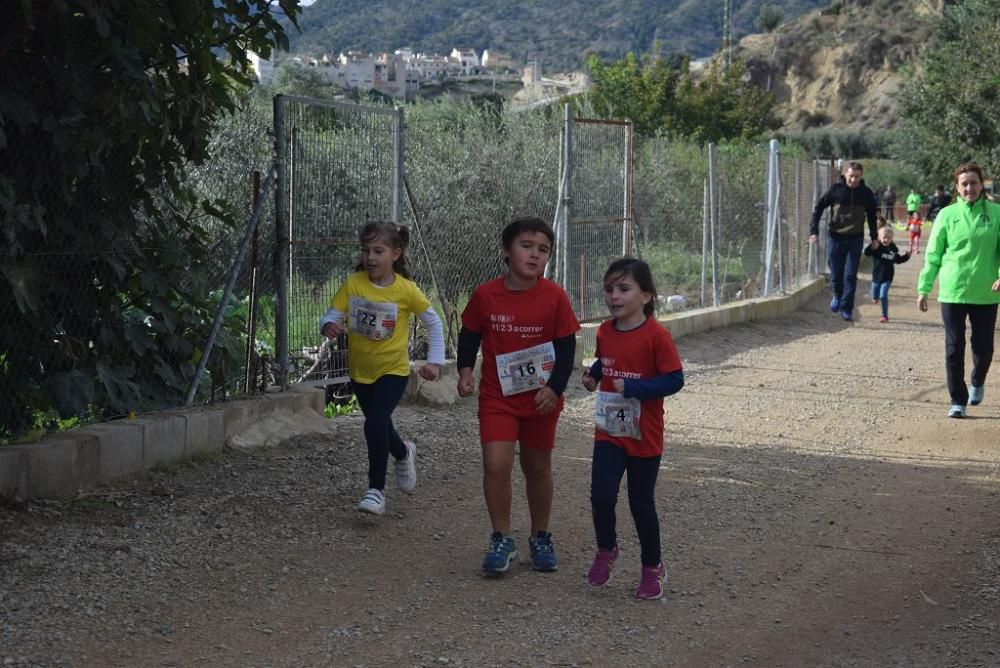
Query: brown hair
[(969, 167), (526, 224), (394, 236), (639, 272)]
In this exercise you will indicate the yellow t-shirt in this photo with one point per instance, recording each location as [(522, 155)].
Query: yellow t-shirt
[(378, 323)]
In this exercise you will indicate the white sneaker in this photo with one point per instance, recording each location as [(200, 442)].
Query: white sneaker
[(406, 469), (372, 502)]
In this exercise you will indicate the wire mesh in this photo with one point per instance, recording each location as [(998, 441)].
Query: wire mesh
[(341, 171), (106, 305), (599, 217), (702, 226), (469, 173)]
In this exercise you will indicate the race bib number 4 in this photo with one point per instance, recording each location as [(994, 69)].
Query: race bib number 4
[(525, 370), (375, 320), (617, 416)]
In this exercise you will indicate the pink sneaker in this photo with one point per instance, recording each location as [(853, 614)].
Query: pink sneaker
[(651, 584), (884, 319), (600, 571)]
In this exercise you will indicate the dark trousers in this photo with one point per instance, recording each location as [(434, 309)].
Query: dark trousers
[(844, 257), (609, 465), (982, 320), (378, 400)]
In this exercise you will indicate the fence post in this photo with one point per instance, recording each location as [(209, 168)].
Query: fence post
[(704, 240), (220, 313), (397, 166), (770, 219), (713, 223), (252, 306), (567, 189), (627, 208), (281, 239)]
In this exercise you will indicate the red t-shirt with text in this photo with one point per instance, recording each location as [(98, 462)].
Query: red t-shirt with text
[(513, 320), (644, 352)]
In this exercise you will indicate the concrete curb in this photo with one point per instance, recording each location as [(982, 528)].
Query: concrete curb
[(59, 464), (702, 320)]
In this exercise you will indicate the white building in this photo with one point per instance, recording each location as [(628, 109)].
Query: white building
[(466, 59), (263, 68)]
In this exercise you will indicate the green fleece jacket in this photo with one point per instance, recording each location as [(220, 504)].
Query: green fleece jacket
[(964, 249), (913, 202)]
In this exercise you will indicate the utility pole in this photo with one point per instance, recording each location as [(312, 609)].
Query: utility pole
[(727, 33)]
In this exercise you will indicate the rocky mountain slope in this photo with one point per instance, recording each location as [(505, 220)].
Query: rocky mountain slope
[(840, 67)]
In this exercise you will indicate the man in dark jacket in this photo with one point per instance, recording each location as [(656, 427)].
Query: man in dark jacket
[(938, 202), (889, 203), (850, 202)]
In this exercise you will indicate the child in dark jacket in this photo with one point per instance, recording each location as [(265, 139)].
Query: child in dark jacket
[(885, 256)]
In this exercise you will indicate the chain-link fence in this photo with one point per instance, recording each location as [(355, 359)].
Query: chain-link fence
[(338, 165), (98, 325), (467, 176), (596, 225), (107, 302)]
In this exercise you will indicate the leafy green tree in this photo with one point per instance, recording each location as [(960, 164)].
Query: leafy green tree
[(663, 96), (104, 107), (948, 104), (770, 17), (293, 78)]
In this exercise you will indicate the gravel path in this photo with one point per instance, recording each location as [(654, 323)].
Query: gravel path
[(818, 509)]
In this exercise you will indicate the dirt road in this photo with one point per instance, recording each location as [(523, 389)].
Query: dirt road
[(818, 509)]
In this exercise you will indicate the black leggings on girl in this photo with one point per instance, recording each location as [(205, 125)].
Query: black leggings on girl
[(609, 465), (378, 400)]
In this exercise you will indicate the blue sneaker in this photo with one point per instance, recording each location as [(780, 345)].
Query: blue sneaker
[(543, 552), (834, 305), (976, 394), (500, 552), (846, 315)]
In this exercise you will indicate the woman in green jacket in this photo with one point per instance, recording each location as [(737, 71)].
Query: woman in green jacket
[(964, 250)]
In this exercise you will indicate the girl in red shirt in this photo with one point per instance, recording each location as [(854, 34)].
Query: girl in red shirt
[(637, 365)]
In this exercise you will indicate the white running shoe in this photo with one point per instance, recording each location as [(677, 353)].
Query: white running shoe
[(406, 469), (372, 502)]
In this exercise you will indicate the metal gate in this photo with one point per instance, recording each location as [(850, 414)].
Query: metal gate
[(338, 165), (594, 224)]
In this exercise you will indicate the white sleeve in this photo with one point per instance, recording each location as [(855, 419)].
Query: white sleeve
[(332, 315), (435, 336)]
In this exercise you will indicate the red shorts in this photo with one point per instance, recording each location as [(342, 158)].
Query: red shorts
[(914, 235), (498, 423)]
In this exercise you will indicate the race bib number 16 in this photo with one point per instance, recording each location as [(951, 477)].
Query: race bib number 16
[(525, 370)]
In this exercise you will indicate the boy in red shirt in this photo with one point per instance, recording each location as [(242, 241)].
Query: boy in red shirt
[(528, 334)]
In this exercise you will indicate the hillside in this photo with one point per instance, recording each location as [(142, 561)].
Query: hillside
[(558, 33), (840, 67)]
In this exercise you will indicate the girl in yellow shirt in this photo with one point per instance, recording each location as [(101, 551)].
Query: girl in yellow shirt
[(376, 302)]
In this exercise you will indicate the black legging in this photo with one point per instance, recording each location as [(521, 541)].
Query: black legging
[(609, 465), (378, 400), (983, 320)]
